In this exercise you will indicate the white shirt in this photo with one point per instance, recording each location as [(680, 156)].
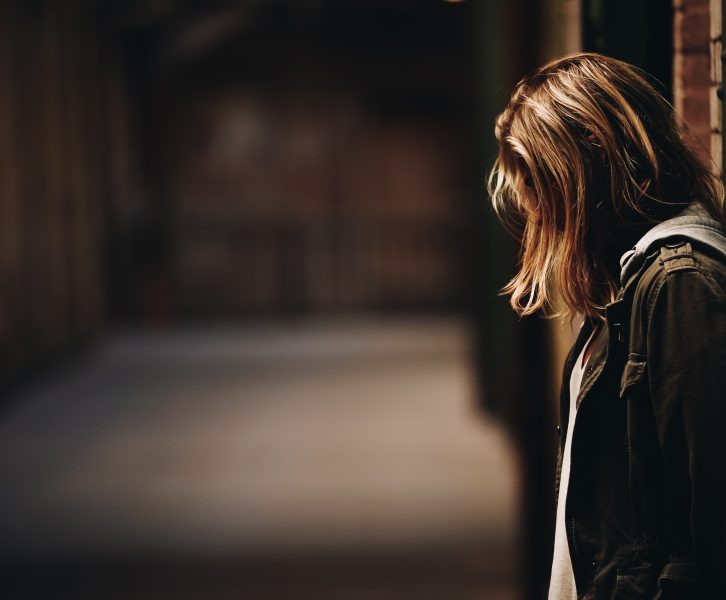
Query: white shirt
[(562, 579)]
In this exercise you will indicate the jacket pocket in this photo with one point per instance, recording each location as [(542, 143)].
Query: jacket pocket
[(678, 581), (633, 373), (637, 582)]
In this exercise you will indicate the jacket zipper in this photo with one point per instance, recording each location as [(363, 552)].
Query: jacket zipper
[(581, 396), (572, 530), (582, 393)]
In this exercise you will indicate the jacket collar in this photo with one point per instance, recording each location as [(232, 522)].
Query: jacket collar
[(694, 222)]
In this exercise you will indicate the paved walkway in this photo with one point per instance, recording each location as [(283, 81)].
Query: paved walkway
[(338, 458)]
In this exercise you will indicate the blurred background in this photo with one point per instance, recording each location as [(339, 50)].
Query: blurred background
[(252, 344)]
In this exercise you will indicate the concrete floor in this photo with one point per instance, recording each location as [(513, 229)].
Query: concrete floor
[(321, 459)]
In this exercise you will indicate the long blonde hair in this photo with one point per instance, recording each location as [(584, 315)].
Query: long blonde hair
[(590, 156)]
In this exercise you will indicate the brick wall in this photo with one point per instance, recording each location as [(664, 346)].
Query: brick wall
[(716, 71), (692, 68), (697, 71)]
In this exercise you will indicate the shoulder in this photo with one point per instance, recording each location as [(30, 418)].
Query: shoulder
[(684, 261), (683, 275)]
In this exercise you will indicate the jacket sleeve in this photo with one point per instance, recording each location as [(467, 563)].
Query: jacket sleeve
[(687, 378)]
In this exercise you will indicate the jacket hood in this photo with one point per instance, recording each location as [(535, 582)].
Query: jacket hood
[(694, 223)]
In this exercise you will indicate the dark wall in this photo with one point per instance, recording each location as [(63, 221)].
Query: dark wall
[(52, 169), (637, 31)]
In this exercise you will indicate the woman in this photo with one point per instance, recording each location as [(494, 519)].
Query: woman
[(617, 213)]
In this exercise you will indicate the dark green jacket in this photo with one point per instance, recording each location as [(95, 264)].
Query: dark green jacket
[(646, 504)]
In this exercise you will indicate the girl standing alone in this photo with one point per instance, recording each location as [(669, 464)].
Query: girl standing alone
[(616, 211)]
